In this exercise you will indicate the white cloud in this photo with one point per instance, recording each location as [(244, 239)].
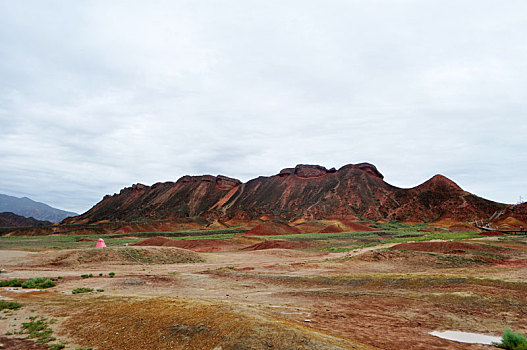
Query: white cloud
[(99, 95)]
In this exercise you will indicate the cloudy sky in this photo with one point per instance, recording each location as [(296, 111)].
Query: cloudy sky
[(98, 95)]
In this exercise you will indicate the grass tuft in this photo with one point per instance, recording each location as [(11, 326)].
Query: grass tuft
[(512, 341), (9, 305), (81, 290), (32, 283), (39, 329)]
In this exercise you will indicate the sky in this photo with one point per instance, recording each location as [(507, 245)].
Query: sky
[(98, 95)]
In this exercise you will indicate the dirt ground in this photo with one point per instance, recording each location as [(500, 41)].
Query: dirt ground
[(386, 297)]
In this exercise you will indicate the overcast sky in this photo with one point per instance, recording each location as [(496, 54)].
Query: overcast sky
[(98, 95)]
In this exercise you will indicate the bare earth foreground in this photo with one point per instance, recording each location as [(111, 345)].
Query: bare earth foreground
[(386, 295)]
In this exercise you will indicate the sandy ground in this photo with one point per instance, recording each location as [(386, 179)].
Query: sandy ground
[(274, 299)]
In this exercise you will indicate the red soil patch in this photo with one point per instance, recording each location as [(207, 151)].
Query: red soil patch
[(197, 245), (488, 233), (358, 227), (279, 244), (155, 241), (310, 227), (85, 240), (445, 222), (514, 263), (412, 221), (462, 227), (272, 228), (331, 229), (124, 229), (427, 230), (20, 344), (446, 247)]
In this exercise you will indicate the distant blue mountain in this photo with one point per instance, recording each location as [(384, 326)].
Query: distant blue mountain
[(29, 208)]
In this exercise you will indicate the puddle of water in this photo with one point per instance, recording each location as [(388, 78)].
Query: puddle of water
[(465, 337)]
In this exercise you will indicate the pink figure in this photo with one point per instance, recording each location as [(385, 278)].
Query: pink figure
[(100, 243)]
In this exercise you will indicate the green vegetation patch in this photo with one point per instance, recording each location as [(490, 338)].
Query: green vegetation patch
[(459, 260), (11, 283), (160, 256), (32, 283), (38, 283), (319, 236), (9, 305), (512, 341), (392, 233), (38, 328), (82, 290)]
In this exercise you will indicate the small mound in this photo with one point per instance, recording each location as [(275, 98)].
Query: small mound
[(279, 244), (463, 227), (490, 233), (310, 227), (511, 223), (447, 247), (331, 229), (272, 228), (121, 255), (154, 242), (412, 221), (445, 222), (124, 229), (197, 245), (393, 255), (518, 263), (357, 227)]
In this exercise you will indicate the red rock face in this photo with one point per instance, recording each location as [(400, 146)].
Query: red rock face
[(307, 171), (306, 191), (519, 212)]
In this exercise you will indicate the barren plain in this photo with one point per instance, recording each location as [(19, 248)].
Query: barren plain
[(386, 287)]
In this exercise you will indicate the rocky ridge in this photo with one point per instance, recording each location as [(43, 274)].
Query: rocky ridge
[(311, 192)]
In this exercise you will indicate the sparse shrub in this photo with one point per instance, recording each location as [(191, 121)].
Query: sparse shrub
[(11, 283), (101, 274), (512, 341), (81, 290), (87, 275), (111, 274), (56, 346), (59, 278), (38, 328), (100, 290), (9, 305), (38, 283)]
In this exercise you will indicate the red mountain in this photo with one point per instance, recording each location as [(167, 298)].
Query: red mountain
[(8, 219), (306, 191)]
